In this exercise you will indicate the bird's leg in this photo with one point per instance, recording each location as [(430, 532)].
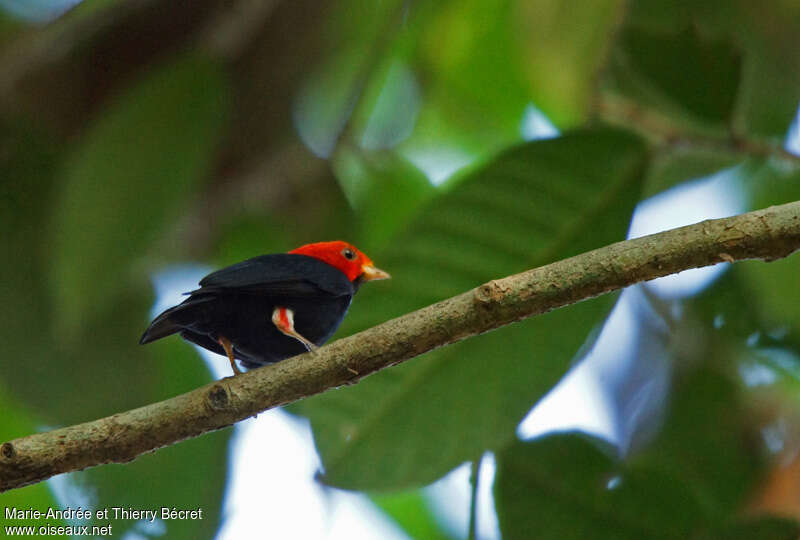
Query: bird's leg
[(283, 319), (228, 346)]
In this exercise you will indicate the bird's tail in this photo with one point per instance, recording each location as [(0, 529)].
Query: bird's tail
[(176, 319), (162, 326)]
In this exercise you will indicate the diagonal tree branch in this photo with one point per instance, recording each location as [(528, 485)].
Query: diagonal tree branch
[(767, 234)]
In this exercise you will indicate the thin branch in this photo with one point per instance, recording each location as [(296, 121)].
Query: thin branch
[(768, 234)]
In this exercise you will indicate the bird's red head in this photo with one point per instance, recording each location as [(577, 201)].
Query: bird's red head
[(346, 257)]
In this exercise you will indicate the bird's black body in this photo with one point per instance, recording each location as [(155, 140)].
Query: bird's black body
[(237, 303)]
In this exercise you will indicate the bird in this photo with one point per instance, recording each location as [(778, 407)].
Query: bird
[(271, 307)]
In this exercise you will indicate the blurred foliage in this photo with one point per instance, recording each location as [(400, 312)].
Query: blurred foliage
[(120, 185), (682, 68), (134, 135), (529, 206)]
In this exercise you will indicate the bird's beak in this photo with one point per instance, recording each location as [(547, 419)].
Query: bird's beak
[(371, 273)]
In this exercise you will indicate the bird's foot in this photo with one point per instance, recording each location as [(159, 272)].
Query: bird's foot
[(228, 346)]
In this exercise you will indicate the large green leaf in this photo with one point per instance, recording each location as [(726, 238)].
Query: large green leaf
[(559, 487), (568, 487), (125, 180), (533, 204), (764, 34), (689, 483), (26, 168), (680, 70), (411, 511), (771, 75), (704, 444)]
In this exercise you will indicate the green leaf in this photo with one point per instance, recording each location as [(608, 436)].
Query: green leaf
[(690, 483), (533, 204), (763, 528), (126, 179), (714, 16), (26, 184), (568, 486), (697, 74), (412, 513), (764, 32), (771, 78), (704, 444)]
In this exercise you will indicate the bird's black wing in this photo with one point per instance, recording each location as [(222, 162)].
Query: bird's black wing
[(282, 274)]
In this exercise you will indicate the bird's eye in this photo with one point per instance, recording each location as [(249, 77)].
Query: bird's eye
[(348, 254)]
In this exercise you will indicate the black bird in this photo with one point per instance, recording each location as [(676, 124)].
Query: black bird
[(271, 307)]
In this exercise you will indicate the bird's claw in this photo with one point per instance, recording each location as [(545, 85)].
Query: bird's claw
[(228, 346)]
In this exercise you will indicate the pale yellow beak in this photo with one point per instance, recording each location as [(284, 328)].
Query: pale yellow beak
[(371, 273)]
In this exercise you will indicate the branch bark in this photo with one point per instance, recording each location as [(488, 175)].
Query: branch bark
[(767, 234)]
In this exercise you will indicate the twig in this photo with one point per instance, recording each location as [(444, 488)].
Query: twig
[(768, 234)]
